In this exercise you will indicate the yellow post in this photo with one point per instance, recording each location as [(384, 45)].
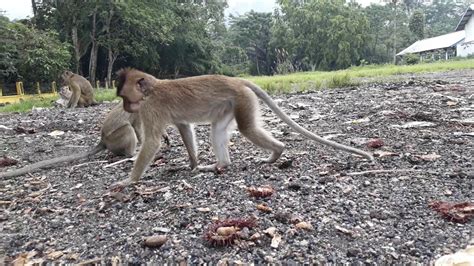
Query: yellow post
[(19, 88), (22, 88), (1, 91), (53, 87), (106, 84), (113, 84), (38, 88)]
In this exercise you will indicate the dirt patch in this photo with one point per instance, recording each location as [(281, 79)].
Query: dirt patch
[(325, 206)]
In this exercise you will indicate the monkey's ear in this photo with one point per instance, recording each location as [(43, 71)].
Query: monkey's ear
[(145, 84)]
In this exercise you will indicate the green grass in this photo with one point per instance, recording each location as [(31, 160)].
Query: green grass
[(28, 104), (302, 81), (101, 95)]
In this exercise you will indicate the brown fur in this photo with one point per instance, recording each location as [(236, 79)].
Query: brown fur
[(120, 134), (214, 99), (82, 91)]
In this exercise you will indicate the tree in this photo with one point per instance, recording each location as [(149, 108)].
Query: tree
[(29, 54), (252, 32), (442, 16), (324, 34), (417, 24)]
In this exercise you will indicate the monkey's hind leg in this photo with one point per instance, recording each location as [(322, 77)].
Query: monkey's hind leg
[(220, 141), (247, 117), (189, 139), (122, 142)]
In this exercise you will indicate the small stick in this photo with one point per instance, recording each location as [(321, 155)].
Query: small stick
[(383, 171), (132, 159), (79, 165)]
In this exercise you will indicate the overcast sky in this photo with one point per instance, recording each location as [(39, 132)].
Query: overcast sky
[(17, 9)]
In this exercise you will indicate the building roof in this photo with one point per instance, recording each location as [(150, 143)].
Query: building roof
[(465, 18), (438, 42)]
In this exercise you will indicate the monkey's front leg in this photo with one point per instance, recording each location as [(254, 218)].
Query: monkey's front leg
[(147, 152)]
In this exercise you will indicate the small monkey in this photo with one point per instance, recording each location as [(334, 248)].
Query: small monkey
[(120, 134), (82, 91), (215, 99), (64, 96)]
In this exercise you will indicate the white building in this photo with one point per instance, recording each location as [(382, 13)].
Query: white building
[(457, 43), (466, 24)]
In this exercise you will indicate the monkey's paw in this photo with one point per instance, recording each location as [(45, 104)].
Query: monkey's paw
[(120, 185)]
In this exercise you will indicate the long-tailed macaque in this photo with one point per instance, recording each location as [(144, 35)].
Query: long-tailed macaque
[(82, 91), (120, 133), (65, 95), (218, 100)]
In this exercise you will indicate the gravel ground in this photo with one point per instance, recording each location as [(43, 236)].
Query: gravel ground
[(69, 214)]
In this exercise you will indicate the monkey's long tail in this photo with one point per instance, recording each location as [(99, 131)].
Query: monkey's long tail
[(268, 100), (48, 163)]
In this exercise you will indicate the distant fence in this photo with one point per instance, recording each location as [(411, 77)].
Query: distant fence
[(15, 92)]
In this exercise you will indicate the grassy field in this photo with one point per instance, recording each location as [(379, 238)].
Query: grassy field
[(302, 81)]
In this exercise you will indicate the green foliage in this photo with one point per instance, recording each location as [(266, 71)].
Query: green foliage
[(323, 34), (417, 24), (30, 54), (251, 33), (411, 59), (442, 16)]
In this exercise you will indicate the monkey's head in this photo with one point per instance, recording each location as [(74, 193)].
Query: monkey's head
[(66, 76), (132, 86)]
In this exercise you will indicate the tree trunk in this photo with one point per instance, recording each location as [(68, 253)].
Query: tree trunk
[(110, 65), (34, 7), (75, 42), (94, 48), (111, 55)]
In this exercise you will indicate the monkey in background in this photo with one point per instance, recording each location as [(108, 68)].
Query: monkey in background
[(120, 133), (64, 96), (82, 91), (218, 100)]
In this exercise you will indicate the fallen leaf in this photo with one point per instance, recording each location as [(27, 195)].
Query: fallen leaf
[(456, 212), (155, 241), (255, 236), (358, 121), (261, 192), (55, 255), (56, 133), (305, 226), (203, 209), (270, 231), (276, 240), (430, 157), (381, 153), (226, 230), (161, 229), (451, 103), (264, 208), (415, 124), (344, 230), (5, 161), (463, 257), (22, 130), (375, 143)]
